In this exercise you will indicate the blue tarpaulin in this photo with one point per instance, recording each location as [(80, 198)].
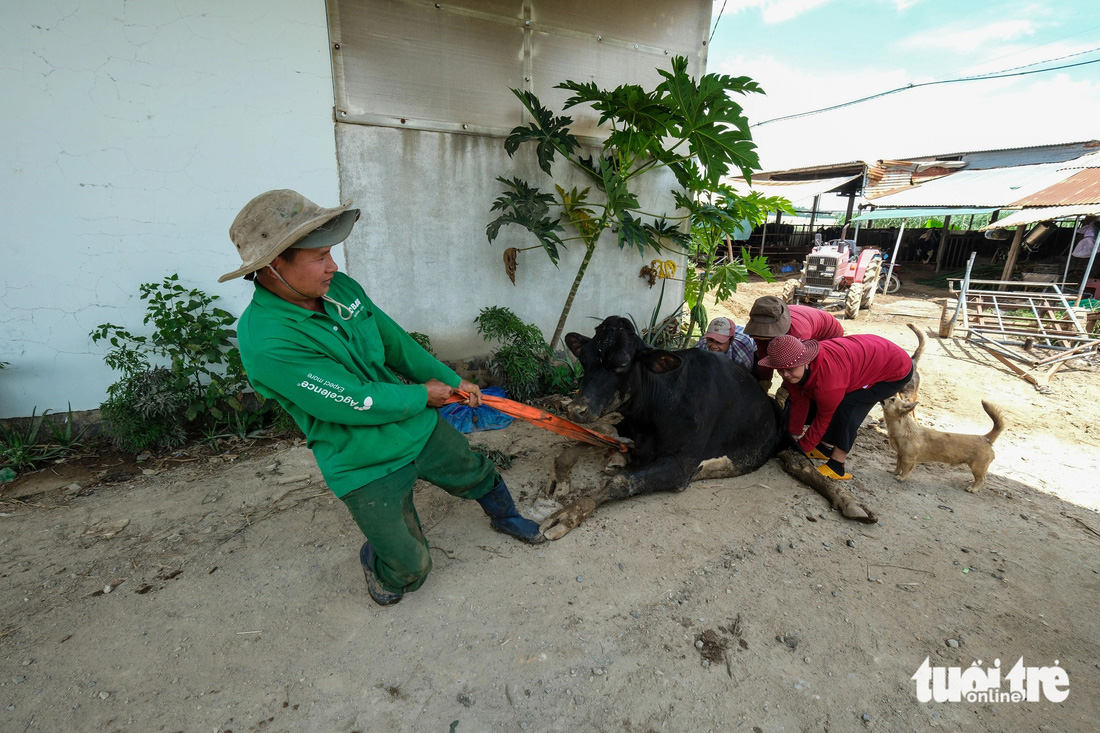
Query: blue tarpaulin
[(468, 419)]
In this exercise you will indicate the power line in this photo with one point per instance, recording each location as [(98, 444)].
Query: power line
[(716, 22), (1036, 63), (916, 86), (1047, 43)]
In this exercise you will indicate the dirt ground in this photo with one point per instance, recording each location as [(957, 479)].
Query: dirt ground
[(224, 593)]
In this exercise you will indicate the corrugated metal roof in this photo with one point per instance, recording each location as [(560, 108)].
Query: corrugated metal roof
[(1083, 187), (1092, 160), (891, 176), (996, 187), (829, 170), (1028, 155), (794, 191), (1051, 213)]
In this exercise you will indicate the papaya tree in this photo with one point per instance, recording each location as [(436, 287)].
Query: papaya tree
[(693, 128)]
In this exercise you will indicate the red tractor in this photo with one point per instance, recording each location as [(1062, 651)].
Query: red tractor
[(837, 273)]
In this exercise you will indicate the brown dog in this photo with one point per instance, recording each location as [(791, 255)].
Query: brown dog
[(916, 444)]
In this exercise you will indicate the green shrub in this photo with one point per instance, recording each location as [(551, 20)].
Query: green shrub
[(524, 362), (423, 340), (281, 421), (186, 374), (145, 411)]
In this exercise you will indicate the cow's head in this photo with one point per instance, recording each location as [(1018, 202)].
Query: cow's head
[(612, 362)]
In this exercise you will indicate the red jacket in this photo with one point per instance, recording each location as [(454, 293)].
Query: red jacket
[(842, 365), (806, 323)]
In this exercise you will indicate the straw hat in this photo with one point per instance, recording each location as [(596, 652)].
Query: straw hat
[(277, 220)]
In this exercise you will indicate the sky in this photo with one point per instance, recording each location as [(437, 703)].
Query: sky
[(809, 54)]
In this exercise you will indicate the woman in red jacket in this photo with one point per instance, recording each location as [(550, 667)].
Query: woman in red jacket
[(835, 383), (771, 317)]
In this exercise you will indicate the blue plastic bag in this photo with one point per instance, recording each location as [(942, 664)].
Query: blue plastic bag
[(468, 419)]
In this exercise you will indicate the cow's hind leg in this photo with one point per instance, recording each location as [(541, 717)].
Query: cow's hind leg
[(803, 469), (667, 474)]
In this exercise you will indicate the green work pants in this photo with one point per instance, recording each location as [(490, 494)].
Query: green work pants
[(384, 508)]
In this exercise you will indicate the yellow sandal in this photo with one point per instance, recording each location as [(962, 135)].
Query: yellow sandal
[(827, 472)]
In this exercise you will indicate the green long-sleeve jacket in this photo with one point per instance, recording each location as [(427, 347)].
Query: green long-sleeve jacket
[(331, 375)]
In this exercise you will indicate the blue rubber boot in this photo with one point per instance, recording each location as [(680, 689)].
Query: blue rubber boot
[(380, 595), (504, 518)]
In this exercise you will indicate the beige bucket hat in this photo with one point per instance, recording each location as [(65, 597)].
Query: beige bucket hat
[(278, 220)]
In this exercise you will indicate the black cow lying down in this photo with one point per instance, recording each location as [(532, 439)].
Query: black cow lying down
[(691, 414)]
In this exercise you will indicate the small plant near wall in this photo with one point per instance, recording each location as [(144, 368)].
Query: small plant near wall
[(187, 373), (29, 448), (524, 361), (693, 128)]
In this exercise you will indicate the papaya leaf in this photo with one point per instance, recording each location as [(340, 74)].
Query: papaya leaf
[(551, 134), (528, 207)]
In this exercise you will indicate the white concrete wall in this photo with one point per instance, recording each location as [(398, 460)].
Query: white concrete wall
[(420, 248), (132, 133)]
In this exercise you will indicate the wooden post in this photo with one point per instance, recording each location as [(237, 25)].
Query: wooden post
[(943, 241), (813, 213), (851, 205), (763, 236), (1013, 253)]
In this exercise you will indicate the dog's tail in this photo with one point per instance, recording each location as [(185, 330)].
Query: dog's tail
[(998, 421), (911, 390), (920, 343)]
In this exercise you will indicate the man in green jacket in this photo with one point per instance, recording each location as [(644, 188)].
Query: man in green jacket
[(314, 341)]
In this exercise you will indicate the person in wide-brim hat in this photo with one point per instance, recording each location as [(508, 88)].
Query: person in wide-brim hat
[(312, 340), (832, 386), (770, 318)]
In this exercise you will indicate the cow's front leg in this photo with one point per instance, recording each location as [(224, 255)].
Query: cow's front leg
[(666, 474), (560, 477)]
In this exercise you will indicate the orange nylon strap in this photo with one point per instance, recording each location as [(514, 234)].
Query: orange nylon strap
[(544, 420)]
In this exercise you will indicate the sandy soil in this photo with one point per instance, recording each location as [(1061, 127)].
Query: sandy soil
[(224, 593)]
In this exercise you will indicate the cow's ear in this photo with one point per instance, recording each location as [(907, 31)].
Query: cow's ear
[(907, 406), (576, 342), (659, 361)]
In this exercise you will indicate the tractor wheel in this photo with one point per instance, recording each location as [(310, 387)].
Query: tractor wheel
[(870, 277), (788, 291), (853, 300), (947, 319)]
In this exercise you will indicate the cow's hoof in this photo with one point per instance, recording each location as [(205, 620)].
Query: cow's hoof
[(858, 513), (569, 517)]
